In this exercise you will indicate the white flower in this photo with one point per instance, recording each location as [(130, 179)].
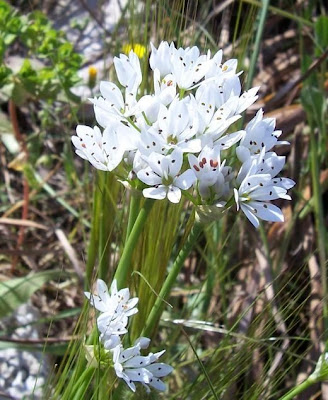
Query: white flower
[(131, 366), (128, 71), (320, 372), (161, 58), (112, 106), (165, 92), (218, 69), (247, 99), (162, 174), (104, 150), (175, 127), (262, 163), (253, 195), (150, 136), (261, 133), (189, 67), (112, 304), (210, 172), (111, 329), (220, 121), (115, 309)]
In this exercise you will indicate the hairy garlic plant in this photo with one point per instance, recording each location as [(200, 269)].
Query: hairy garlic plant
[(177, 143)]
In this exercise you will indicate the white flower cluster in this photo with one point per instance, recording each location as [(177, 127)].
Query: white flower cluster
[(115, 309), (177, 137)]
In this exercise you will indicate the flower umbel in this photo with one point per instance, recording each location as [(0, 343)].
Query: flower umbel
[(149, 137), (115, 309), (131, 366)]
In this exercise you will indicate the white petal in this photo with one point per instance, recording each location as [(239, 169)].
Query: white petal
[(123, 295), (96, 302), (131, 312), (158, 193), (112, 342), (160, 369), (268, 212), (128, 353), (236, 196), (102, 290), (157, 384), (175, 162), (248, 211), (113, 287), (155, 162), (143, 342), (156, 356), (254, 181), (138, 374), (174, 194), (129, 382), (116, 354), (112, 93), (149, 177), (137, 362), (227, 141), (185, 180)]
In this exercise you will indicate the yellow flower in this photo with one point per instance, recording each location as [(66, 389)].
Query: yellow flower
[(138, 48), (92, 76)]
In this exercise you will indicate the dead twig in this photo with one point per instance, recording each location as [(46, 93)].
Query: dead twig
[(26, 189), (70, 253)]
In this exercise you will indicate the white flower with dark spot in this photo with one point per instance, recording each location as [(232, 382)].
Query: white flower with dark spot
[(105, 150), (115, 309), (253, 196), (128, 71), (118, 302), (210, 173), (161, 58), (163, 175), (132, 367), (261, 133), (189, 67)]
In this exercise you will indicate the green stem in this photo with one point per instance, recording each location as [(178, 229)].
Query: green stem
[(298, 389), (125, 261), (82, 384), (171, 278), (254, 59), (133, 212), (106, 215), (94, 236)]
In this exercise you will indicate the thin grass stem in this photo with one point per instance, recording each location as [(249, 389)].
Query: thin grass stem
[(94, 235), (82, 384), (263, 15), (171, 278), (282, 13), (125, 261)]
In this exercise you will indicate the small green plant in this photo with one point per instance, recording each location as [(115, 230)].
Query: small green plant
[(47, 65)]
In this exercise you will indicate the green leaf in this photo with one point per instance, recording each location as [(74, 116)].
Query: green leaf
[(7, 136), (321, 32), (54, 348), (15, 292)]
